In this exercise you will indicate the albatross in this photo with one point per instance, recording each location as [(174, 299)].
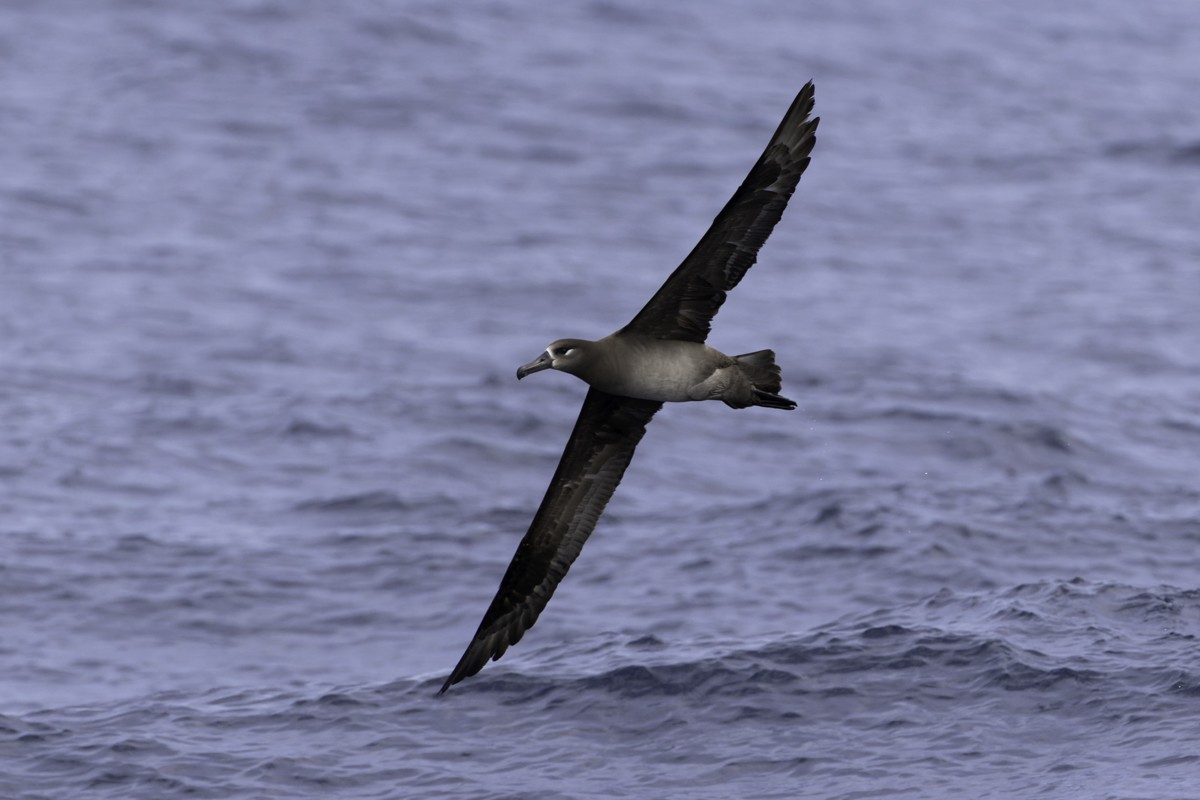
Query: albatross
[(659, 357)]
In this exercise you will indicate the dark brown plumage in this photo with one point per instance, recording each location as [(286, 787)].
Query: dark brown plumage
[(611, 425), (683, 308)]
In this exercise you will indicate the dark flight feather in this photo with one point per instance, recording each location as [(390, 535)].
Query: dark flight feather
[(599, 450), (686, 304)]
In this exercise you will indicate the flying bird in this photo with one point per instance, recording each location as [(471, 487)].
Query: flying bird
[(659, 357)]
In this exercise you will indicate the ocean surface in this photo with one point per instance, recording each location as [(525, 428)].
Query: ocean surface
[(267, 268)]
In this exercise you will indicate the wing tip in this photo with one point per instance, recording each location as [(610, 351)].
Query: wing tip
[(804, 103), (796, 130), (459, 673), (451, 679), (803, 129), (477, 654)]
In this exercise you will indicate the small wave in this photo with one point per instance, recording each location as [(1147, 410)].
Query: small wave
[(364, 501), (310, 429), (1157, 150)]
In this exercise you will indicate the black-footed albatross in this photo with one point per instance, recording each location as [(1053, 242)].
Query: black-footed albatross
[(660, 356)]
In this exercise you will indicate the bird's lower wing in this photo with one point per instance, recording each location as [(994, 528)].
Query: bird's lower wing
[(599, 450)]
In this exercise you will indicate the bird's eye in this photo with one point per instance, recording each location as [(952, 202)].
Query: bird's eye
[(563, 352)]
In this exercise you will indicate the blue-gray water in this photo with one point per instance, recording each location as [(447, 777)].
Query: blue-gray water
[(267, 268)]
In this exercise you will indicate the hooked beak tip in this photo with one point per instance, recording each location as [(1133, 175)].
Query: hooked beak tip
[(537, 365)]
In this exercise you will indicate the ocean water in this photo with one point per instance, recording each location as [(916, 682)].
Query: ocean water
[(267, 269)]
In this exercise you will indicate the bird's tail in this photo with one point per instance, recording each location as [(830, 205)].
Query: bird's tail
[(763, 373)]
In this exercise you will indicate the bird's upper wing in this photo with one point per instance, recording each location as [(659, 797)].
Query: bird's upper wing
[(599, 450), (685, 305)]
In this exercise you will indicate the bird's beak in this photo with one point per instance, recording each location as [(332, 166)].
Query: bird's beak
[(537, 365)]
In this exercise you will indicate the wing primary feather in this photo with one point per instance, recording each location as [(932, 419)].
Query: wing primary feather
[(683, 308), (600, 448)]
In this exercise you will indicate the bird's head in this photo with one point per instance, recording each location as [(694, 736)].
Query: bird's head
[(565, 355)]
